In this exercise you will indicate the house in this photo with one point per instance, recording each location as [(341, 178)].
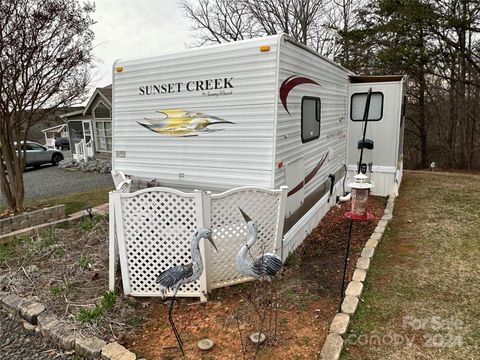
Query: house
[(90, 128)]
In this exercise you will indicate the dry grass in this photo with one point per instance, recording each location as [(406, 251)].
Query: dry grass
[(426, 268)]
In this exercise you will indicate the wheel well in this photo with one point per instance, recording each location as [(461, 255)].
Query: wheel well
[(57, 154)]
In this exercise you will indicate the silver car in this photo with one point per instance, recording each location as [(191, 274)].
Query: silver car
[(38, 155)]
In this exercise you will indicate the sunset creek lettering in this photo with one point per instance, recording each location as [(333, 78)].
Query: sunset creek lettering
[(194, 85)]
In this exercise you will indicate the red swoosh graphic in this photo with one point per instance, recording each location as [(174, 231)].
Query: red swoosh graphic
[(289, 83), (309, 176)]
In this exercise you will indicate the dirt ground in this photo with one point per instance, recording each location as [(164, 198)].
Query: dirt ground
[(67, 268), (307, 295), (422, 290)]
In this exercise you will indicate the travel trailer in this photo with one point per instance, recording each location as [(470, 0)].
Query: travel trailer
[(263, 112)]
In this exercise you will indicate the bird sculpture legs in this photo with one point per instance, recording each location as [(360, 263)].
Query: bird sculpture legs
[(172, 323)]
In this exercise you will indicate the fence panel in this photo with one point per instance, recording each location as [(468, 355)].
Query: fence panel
[(230, 231)]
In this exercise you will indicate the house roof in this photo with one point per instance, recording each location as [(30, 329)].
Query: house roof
[(56, 129), (104, 93)]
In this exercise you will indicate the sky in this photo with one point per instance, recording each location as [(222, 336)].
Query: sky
[(135, 28)]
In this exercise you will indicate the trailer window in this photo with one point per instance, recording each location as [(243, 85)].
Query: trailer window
[(357, 106), (310, 118)]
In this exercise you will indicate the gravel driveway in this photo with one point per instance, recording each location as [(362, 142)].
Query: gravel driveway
[(49, 181), (18, 344)]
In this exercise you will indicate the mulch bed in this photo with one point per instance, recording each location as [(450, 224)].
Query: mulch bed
[(68, 269), (307, 295)]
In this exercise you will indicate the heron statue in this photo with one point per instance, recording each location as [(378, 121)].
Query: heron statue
[(176, 276), (265, 266)]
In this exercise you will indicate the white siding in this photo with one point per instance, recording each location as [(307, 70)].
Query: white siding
[(239, 155), (333, 90)]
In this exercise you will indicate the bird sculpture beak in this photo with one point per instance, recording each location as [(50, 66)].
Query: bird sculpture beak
[(245, 216), (211, 242)]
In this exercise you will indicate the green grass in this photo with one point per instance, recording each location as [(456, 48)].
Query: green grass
[(76, 201), (85, 262), (89, 222), (426, 266), (64, 289), (93, 315)]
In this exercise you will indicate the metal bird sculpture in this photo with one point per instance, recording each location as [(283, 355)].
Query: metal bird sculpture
[(122, 181), (182, 123), (265, 266), (174, 277)]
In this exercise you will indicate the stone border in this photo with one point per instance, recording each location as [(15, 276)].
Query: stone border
[(32, 218), (333, 346), (65, 335), (30, 231)]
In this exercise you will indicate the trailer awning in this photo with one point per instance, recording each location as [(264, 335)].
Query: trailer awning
[(373, 78)]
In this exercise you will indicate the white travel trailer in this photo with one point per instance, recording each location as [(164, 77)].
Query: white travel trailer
[(263, 112), (383, 152)]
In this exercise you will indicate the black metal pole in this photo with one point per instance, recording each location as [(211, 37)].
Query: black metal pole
[(347, 245), (365, 120)]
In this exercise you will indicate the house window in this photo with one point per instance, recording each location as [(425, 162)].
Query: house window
[(357, 106), (104, 135), (311, 108), (102, 111)]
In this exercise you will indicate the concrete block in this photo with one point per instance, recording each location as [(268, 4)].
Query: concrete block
[(371, 243), (339, 324), (379, 229), (363, 263), (387, 217), (46, 321), (376, 236), (115, 351), (63, 335), (354, 288), (367, 252), (382, 223), (30, 311), (332, 348), (359, 275), (89, 347), (349, 305), (12, 303)]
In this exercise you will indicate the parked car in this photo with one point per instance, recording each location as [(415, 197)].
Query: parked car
[(38, 154), (62, 143)]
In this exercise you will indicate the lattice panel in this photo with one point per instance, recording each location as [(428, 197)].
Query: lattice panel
[(158, 228), (230, 231)]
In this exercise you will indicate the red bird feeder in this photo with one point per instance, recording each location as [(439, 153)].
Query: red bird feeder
[(360, 198)]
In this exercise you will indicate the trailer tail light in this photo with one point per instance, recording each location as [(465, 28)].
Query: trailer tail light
[(119, 69), (264, 48)]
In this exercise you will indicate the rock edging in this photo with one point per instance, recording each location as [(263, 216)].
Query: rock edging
[(37, 318), (333, 346)]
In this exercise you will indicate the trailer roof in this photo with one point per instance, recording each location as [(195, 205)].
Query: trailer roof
[(374, 78)]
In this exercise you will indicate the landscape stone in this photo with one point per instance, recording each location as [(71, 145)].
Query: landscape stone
[(12, 303), (376, 236), (371, 243), (387, 211), (339, 324), (379, 229), (363, 263), (29, 327), (46, 321), (2, 295), (349, 305), (382, 223), (31, 311), (89, 347), (387, 217), (359, 275), (332, 348), (354, 288), (115, 351), (63, 335), (367, 252)]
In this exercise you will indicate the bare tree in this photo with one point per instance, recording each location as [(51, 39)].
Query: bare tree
[(309, 22), (45, 57)]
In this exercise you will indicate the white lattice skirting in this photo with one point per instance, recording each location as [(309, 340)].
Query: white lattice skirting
[(151, 230)]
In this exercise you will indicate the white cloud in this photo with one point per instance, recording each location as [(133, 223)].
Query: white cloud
[(133, 28)]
